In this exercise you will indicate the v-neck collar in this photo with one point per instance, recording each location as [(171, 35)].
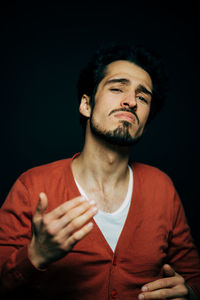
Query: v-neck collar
[(129, 219)]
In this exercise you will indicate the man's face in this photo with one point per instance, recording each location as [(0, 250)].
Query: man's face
[(122, 103)]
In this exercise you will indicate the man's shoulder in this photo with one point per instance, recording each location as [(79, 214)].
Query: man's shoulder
[(151, 173), (45, 171)]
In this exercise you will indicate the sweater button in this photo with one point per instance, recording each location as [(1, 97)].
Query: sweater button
[(114, 294), (114, 261)]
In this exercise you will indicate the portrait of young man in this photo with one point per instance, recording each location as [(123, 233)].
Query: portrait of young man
[(98, 225)]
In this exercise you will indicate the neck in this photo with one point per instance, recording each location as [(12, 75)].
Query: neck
[(101, 163)]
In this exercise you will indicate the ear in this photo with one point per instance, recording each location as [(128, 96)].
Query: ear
[(84, 107)]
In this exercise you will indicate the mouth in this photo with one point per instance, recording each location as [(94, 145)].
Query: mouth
[(125, 116)]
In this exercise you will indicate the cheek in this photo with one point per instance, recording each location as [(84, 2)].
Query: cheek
[(146, 114), (102, 108), (143, 115), (98, 113)]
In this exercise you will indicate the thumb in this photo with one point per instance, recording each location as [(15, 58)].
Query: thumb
[(168, 271), (42, 205)]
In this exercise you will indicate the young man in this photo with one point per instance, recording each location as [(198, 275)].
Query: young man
[(103, 228)]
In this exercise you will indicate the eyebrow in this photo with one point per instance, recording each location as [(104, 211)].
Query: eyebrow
[(118, 80), (125, 81), (141, 88)]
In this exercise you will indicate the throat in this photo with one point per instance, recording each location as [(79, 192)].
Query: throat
[(108, 199), (111, 203)]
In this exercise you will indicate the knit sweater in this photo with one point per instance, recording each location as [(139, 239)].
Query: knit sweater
[(155, 232)]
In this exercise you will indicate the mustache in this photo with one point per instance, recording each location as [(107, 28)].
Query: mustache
[(125, 109)]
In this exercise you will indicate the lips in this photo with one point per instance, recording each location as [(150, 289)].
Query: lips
[(125, 116)]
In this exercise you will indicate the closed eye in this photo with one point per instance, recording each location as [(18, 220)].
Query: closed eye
[(116, 90), (142, 99)]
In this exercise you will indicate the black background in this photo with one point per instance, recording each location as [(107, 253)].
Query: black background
[(44, 46)]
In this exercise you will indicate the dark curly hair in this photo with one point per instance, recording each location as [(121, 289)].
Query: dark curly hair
[(95, 71)]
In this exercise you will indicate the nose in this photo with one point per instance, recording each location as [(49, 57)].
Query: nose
[(129, 100)]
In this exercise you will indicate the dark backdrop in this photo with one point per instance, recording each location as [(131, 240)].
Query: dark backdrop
[(43, 48)]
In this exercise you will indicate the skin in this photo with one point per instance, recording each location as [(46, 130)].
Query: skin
[(111, 96), (56, 232), (112, 161), (102, 170), (173, 286)]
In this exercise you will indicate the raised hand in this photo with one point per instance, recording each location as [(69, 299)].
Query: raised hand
[(56, 232)]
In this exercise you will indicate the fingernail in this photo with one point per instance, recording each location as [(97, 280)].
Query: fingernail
[(82, 198), (90, 225), (94, 209), (92, 202), (141, 297), (144, 289)]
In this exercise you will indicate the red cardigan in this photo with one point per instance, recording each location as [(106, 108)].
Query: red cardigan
[(155, 232)]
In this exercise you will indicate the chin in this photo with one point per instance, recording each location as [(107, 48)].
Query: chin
[(119, 136)]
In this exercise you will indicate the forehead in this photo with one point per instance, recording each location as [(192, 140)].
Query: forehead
[(128, 70)]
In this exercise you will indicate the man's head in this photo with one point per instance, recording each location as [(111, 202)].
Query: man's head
[(120, 90)]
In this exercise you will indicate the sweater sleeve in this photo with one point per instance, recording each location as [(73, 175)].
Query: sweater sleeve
[(182, 253), (15, 234)]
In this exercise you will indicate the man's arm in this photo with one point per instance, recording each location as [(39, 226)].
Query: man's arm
[(20, 263), (181, 274)]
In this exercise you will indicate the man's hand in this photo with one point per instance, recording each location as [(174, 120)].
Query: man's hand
[(56, 232), (173, 286)]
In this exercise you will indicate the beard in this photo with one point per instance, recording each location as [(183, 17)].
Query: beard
[(119, 136)]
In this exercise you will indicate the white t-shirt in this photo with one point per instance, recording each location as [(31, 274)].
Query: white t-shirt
[(111, 224)]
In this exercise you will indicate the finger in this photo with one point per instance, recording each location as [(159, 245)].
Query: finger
[(182, 298), (58, 224), (168, 282), (78, 222), (79, 235), (161, 294), (62, 209), (41, 206), (168, 271)]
